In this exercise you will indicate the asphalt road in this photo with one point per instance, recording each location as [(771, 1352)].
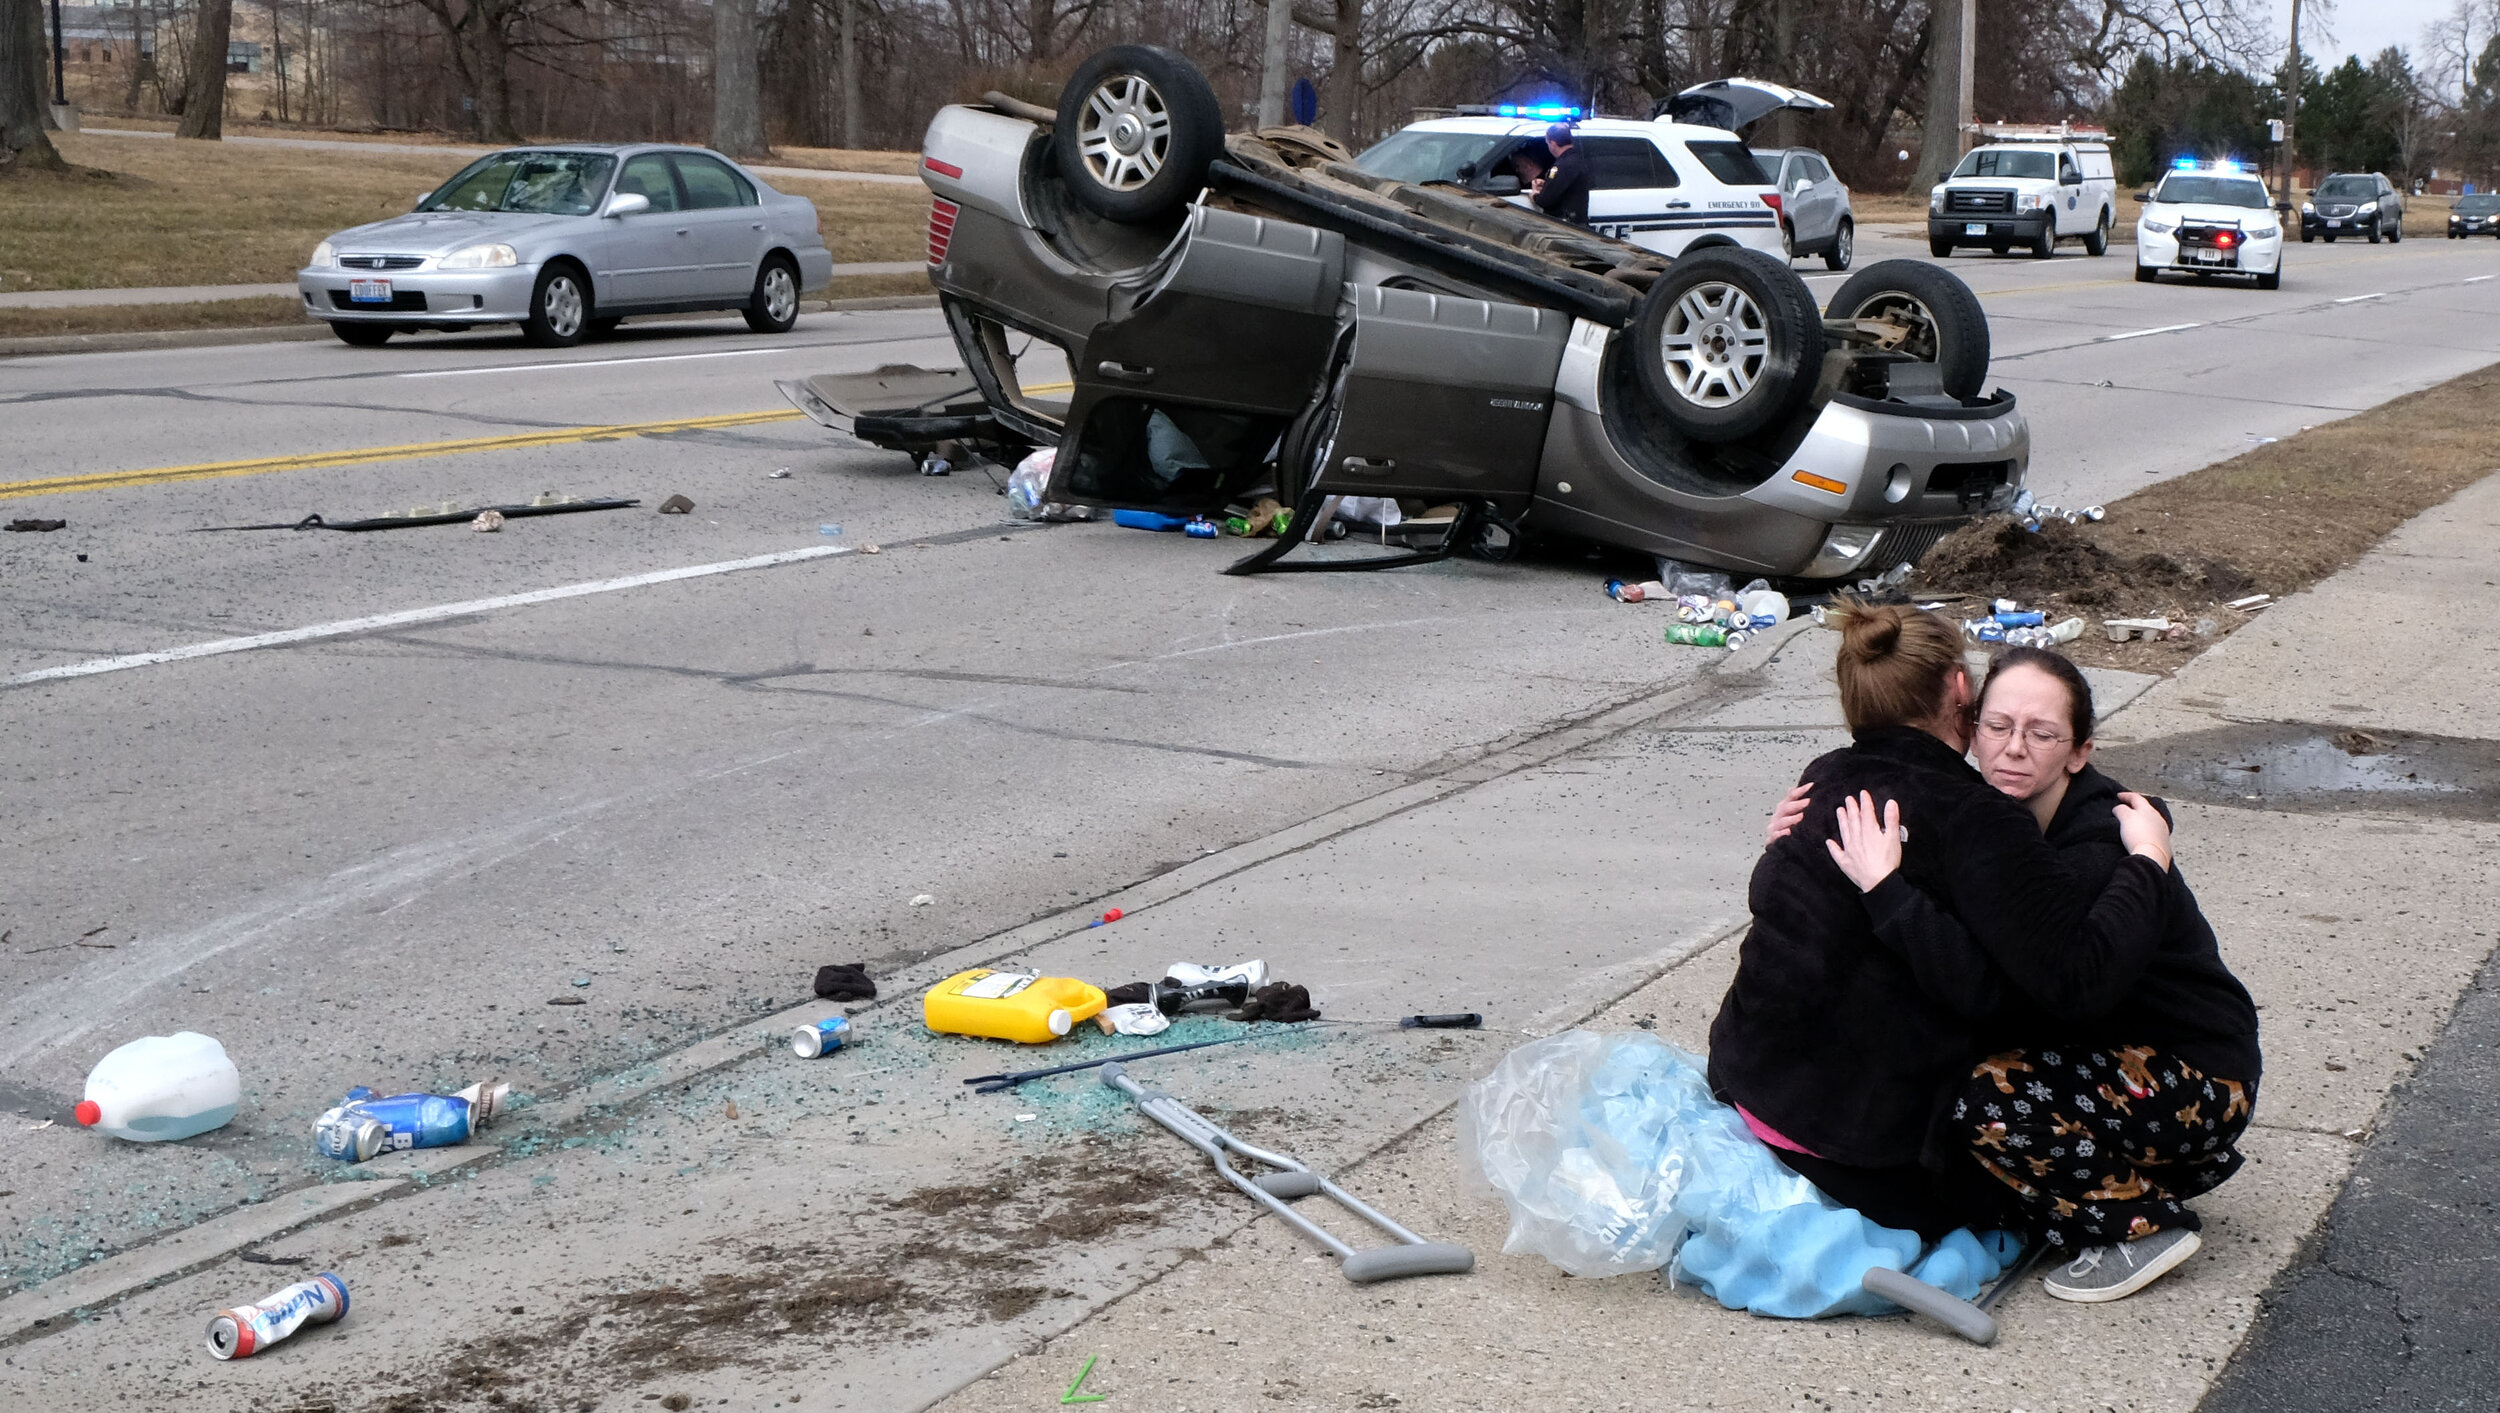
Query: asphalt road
[(374, 855)]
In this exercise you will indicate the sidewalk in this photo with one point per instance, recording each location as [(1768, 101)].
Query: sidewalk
[(2356, 929), (877, 1238), (202, 294), (430, 149)]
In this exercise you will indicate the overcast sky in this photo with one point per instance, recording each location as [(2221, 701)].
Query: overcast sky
[(2362, 27)]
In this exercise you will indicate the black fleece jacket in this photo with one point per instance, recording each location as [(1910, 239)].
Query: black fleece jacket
[(1827, 1034), (2183, 1000), (1566, 192)]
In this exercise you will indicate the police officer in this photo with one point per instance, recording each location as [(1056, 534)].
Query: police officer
[(1563, 192)]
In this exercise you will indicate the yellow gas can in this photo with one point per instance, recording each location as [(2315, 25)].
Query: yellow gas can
[(1007, 1005)]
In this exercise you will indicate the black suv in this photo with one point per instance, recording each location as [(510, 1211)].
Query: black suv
[(2353, 203)]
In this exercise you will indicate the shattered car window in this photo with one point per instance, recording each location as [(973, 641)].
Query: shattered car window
[(534, 183), (1415, 156), (2213, 191)]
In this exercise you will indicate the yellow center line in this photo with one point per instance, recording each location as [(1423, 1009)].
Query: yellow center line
[(360, 456)]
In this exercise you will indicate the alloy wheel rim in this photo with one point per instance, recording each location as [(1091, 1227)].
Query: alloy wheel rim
[(781, 294), (1125, 135), (1715, 345), (563, 306)]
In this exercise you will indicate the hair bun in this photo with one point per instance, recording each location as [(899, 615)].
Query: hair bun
[(1869, 631)]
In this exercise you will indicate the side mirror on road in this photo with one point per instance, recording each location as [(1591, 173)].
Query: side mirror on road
[(626, 203)]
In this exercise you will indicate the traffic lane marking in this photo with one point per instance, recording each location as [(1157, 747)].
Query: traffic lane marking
[(407, 617), (360, 456), (2146, 333), (2357, 298)]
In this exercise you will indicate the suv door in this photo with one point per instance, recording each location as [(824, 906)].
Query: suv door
[(650, 258), (1443, 398), (1632, 191), (1206, 358), (725, 222)]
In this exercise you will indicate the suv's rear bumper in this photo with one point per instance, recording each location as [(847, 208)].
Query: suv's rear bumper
[(2021, 228)]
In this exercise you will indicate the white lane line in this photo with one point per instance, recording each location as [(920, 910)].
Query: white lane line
[(406, 617), (2146, 333), (2357, 298), (2478, 279), (606, 362)]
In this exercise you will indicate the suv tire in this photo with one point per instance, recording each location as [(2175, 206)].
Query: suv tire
[(1950, 329), (2396, 232), (2097, 243), (1727, 342), (362, 335), (1138, 127), (1939, 247), (2271, 279), (1844, 247), (2146, 274)]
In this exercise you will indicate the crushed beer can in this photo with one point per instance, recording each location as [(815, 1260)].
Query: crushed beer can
[(820, 1038), (246, 1330), (1698, 635), (2021, 618)]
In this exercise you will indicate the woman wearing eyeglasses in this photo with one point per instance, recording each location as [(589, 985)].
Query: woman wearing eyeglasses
[(1837, 1050), (2100, 1136)]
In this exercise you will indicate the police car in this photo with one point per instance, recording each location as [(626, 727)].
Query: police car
[(1680, 181), (2208, 219)]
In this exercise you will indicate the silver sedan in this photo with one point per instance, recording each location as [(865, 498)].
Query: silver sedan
[(567, 241)]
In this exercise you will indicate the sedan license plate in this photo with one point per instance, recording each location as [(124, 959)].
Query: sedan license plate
[(1975, 228), (2335, 223), (369, 291)]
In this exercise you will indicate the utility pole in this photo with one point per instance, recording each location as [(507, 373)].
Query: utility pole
[(850, 74), (2291, 110), (1952, 45), (60, 95), (1272, 63)]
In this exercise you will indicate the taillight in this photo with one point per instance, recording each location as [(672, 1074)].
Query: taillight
[(943, 169), (941, 228), (1772, 200)]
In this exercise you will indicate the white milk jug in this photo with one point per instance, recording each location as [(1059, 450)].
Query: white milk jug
[(162, 1087)]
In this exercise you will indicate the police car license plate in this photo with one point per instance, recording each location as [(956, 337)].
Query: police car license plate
[(1976, 228), (2206, 257), (369, 291)]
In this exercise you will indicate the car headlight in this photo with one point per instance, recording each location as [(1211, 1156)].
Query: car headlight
[(2265, 232), (1935, 199), (2157, 227), (2365, 208), (324, 256), (480, 257), (2307, 209)]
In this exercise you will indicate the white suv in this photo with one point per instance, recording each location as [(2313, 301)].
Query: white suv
[(2031, 193), (1670, 184), (2206, 222)]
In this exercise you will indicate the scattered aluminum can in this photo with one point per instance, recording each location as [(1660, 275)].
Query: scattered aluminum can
[(2025, 618), (1693, 608), (1698, 635), (350, 1134), (1985, 630), (246, 1330), (822, 1038), (1201, 528)]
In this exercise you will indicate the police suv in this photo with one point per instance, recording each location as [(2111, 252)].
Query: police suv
[(2208, 220), (1681, 181)]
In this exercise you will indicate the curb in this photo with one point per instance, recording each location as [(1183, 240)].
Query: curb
[(52, 345)]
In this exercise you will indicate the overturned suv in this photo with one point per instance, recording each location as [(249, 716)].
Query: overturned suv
[(1256, 315)]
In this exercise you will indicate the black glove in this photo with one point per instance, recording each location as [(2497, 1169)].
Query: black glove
[(845, 982)]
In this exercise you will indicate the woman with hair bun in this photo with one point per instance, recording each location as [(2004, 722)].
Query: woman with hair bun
[(2098, 1111), (1828, 1042)]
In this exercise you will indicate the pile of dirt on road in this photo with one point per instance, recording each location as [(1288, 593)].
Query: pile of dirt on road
[(2273, 520)]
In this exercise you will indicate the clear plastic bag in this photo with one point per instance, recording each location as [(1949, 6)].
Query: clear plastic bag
[(1613, 1158), (1026, 483)]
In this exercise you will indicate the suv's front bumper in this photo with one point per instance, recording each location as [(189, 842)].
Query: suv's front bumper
[(420, 298), (2018, 228), (2313, 225)]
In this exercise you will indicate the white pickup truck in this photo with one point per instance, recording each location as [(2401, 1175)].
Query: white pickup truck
[(2031, 192)]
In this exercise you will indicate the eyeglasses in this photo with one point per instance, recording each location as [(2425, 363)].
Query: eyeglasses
[(1997, 728)]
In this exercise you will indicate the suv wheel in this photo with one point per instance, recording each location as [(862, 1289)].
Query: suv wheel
[(2271, 279), (1939, 247), (773, 306), (1844, 246), (2374, 231), (1947, 326), (559, 309), (1137, 129), (2044, 244), (2097, 243), (2396, 230), (1728, 342), (362, 335)]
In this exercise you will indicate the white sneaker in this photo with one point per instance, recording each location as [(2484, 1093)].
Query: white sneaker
[(2116, 1272)]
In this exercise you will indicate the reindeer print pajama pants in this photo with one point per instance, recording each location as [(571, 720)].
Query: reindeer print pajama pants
[(2104, 1144)]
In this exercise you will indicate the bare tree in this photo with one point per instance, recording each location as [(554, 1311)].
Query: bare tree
[(737, 96), (204, 98), (23, 100)]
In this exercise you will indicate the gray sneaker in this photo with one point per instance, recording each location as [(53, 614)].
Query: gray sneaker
[(2116, 1272)]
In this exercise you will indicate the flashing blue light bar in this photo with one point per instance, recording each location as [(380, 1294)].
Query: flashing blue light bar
[(2183, 164), (1550, 112)]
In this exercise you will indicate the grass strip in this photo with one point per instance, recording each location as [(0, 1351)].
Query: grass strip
[(2274, 520)]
